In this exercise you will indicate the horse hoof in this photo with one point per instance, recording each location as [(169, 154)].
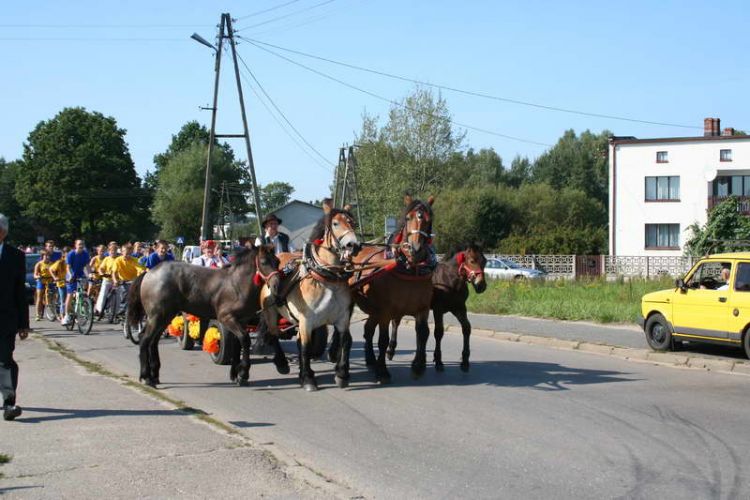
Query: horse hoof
[(383, 378), (242, 382), (283, 368), (439, 367), (310, 387), (390, 353), (465, 366), (417, 371), (332, 357), (370, 360), (342, 382)]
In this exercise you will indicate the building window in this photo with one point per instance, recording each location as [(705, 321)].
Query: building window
[(661, 157), (663, 188), (725, 155), (663, 236), (737, 185)]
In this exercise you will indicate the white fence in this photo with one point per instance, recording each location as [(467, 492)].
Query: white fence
[(571, 266)]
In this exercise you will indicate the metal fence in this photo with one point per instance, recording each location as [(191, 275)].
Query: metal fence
[(610, 266)]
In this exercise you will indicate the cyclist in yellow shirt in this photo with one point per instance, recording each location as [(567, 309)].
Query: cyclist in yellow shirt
[(94, 264), (58, 270), (126, 267), (105, 269), (43, 278)]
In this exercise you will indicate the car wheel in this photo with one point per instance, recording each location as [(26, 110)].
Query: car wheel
[(746, 342), (658, 334)]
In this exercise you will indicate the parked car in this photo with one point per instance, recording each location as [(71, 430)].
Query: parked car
[(190, 252), (508, 270), (710, 304), (31, 260)]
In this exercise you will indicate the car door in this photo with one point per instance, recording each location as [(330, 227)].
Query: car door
[(702, 313), (739, 302)]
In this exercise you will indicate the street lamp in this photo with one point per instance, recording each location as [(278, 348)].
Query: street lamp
[(203, 41)]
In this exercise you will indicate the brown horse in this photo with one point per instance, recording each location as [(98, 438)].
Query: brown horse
[(317, 293), (398, 289), (230, 295), (449, 296)]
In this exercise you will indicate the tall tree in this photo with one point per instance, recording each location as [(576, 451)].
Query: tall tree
[(78, 178), (22, 230), (725, 224), (178, 200), (275, 195)]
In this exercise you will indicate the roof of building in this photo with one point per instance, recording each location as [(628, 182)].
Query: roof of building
[(293, 202), (633, 140)]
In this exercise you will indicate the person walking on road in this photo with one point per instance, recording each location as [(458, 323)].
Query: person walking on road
[(14, 318)]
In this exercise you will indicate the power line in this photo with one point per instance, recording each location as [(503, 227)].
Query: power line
[(470, 92), (291, 26), (257, 13), (278, 18), (395, 103), (102, 26), (76, 39), (281, 113)]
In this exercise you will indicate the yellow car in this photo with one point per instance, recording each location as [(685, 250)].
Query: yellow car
[(711, 304)]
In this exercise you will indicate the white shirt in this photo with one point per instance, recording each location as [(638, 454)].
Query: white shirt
[(213, 261), (276, 243)]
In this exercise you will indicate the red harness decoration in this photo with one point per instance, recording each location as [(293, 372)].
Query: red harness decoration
[(259, 277), (463, 270)]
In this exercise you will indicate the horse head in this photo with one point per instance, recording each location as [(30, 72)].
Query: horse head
[(267, 268), (471, 262), (416, 229), (340, 231)]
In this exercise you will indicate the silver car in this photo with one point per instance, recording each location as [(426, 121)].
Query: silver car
[(509, 270)]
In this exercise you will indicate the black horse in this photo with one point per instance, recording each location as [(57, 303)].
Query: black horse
[(230, 295), (449, 295)]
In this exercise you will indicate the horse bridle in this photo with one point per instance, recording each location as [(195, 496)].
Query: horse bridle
[(259, 277), (465, 271), (403, 235)]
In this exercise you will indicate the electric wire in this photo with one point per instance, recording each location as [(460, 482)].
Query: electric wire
[(257, 13), (278, 18), (470, 92), (395, 103), (281, 113)]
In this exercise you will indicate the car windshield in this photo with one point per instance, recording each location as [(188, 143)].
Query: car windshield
[(512, 264)]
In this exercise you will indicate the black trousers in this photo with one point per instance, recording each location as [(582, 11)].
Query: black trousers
[(7, 346)]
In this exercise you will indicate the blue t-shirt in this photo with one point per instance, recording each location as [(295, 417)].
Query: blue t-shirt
[(77, 262), (56, 255), (154, 259)]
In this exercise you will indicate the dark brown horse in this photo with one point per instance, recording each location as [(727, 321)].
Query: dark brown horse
[(397, 289), (230, 295), (449, 296)]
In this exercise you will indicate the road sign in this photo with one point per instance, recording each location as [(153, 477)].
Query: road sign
[(180, 240)]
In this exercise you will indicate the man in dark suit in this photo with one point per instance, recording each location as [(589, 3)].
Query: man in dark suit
[(14, 318)]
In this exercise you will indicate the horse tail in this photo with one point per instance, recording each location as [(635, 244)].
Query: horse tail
[(135, 306)]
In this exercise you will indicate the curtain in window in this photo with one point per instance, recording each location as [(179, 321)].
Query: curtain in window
[(650, 188), (651, 231), (737, 185), (674, 188), (662, 188)]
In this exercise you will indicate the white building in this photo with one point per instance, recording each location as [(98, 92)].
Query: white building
[(298, 220), (659, 187)]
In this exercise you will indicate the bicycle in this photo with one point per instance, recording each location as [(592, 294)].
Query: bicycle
[(111, 305), (82, 315), (50, 297)]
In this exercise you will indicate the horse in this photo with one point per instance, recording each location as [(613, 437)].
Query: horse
[(230, 295), (396, 289), (317, 292), (449, 296)]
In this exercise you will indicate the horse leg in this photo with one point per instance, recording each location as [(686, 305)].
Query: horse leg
[(381, 370), (419, 363), (154, 357), (240, 367), (342, 365), (394, 338), (466, 331), (154, 324), (279, 358), (333, 349), (306, 374), (369, 334), (439, 332)]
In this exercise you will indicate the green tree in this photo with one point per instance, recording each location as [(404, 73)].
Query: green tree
[(519, 173), (275, 195), (576, 161), (725, 224), (178, 201), (78, 178), (22, 230)]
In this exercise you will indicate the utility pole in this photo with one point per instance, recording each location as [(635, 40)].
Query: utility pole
[(338, 176), (226, 32), (345, 186)]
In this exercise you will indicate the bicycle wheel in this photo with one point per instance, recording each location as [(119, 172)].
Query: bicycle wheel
[(113, 304), (84, 314), (134, 331)]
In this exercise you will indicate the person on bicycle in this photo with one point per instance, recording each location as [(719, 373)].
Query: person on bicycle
[(58, 270), (54, 255), (160, 255), (105, 270), (77, 261), (126, 267), (43, 279), (94, 264)]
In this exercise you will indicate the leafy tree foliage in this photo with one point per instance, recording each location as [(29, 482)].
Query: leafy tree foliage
[(178, 201), (275, 195), (21, 226), (78, 178), (725, 224)]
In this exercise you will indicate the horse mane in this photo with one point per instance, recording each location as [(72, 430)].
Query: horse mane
[(319, 230), (455, 249), (244, 255)]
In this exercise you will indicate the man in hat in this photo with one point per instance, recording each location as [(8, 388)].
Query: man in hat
[(273, 236)]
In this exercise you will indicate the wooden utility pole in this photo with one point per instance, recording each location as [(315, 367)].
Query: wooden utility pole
[(345, 185), (226, 32)]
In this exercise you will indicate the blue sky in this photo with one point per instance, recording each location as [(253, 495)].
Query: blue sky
[(667, 61)]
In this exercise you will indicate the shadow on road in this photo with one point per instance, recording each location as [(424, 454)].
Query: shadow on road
[(71, 413)]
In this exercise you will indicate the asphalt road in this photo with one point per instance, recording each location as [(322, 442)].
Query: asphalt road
[(526, 422)]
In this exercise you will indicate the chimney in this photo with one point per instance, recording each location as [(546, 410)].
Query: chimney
[(708, 127), (717, 127), (729, 131)]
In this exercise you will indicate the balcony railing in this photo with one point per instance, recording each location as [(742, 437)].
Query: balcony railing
[(743, 203)]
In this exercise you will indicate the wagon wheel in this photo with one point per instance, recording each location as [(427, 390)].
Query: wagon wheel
[(185, 341), (227, 345)]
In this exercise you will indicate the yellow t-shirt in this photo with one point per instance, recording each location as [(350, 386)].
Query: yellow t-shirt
[(60, 268), (107, 266), (94, 264), (127, 267), (42, 270)]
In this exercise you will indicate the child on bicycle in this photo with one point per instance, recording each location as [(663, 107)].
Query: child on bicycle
[(43, 278)]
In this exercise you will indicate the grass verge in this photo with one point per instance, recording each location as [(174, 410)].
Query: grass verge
[(580, 300)]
